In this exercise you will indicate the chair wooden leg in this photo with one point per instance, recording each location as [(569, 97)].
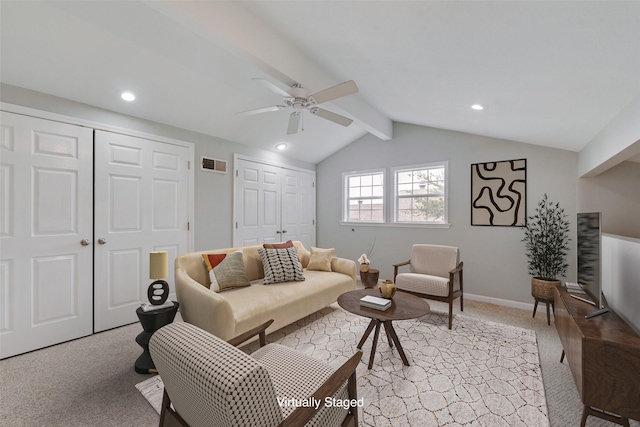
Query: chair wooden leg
[(450, 313), (166, 404), (535, 307), (461, 302), (562, 356)]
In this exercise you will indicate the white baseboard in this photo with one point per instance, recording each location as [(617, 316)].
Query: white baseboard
[(482, 298), (498, 301)]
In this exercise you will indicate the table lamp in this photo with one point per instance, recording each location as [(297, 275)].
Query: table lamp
[(158, 291)]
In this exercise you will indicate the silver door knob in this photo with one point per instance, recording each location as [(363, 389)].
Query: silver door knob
[(102, 240), (85, 242)]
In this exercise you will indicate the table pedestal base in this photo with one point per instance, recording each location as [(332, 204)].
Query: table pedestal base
[(392, 337)]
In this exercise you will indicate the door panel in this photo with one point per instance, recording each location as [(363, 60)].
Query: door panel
[(141, 189), (47, 195), (273, 204), (298, 207), (257, 204)]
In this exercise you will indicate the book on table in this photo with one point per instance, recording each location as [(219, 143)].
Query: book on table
[(575, 288), (377, 303)]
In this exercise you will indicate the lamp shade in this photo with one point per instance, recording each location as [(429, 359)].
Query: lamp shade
[(158, 264)]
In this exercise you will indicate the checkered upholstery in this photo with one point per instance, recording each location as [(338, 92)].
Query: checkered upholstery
[(212, 383), (297, 376)]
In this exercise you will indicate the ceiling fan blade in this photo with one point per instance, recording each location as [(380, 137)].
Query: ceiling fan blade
[(262, 110), (294, 123), (336, 118), (272, 87), (334, 92)]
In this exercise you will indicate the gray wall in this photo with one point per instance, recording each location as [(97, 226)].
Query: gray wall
[(213, 192), (615, 193), (495, 265)]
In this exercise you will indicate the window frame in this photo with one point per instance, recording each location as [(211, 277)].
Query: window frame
[(346, 199), (396, 197)]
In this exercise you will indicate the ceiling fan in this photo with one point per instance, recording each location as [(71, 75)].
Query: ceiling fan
[(299, 100)]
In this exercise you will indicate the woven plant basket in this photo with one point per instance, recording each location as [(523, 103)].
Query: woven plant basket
[(542, 290)]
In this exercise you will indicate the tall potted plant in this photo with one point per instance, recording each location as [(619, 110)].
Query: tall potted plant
[(546, 237)]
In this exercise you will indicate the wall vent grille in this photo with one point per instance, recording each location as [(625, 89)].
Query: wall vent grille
[(213, 165)]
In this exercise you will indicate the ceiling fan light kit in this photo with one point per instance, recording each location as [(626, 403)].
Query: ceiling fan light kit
[(299, 100)]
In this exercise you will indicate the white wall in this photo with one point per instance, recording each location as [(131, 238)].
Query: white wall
[(615, 193), (617, 142), (213, 192), (495, 265), (621, 277)]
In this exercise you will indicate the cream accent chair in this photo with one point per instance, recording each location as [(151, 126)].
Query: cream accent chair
[(212, 383), (435, 273)]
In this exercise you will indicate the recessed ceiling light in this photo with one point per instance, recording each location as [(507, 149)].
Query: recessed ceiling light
[(128, 96), (477, 107), (281, 146)]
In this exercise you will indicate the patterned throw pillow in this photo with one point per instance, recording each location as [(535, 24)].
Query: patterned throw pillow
[(287, 244), (226, 271), (281, 265), (320, 259)]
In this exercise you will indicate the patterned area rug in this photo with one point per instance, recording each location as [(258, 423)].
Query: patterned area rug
[(478, 373)]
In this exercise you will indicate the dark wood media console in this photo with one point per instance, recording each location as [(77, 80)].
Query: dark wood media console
[(604, 357)]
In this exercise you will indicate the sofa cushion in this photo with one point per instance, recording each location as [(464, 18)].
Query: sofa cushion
[(226, 271), (290, 300), (281, 265), (320, 259)]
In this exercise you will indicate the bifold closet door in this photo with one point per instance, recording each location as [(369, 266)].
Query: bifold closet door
[(273, 204), (257, 204), (46, 233), (141, 205), (299, 207)]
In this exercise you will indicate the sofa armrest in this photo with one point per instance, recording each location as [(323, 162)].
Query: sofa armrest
[(204, 308), (344, 266)]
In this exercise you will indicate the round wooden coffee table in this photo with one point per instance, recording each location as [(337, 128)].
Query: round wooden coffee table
[(403, 306)]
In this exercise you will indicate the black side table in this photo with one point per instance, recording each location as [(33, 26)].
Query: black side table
[(151, 321)]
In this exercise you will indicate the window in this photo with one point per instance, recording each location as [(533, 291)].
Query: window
[(420, 194), (364, 196)]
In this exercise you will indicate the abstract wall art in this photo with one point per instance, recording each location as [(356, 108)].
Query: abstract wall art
[(499, 193)]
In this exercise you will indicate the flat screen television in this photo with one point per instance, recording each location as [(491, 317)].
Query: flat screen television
[(589, 242)]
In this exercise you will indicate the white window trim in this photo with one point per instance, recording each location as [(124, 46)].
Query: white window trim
[(394, 173), (397, 224), (345, 196)]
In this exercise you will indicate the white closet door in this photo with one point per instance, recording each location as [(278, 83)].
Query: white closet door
[(273, 204), (299, 207), (141, 205), (46, 189), (257, 204)]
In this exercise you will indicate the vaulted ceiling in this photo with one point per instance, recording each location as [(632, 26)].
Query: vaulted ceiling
[(547, 73)]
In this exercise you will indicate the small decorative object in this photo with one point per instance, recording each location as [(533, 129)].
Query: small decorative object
[(499, 193), (387, 289), (158, 291), (364, 262), (546, 237)]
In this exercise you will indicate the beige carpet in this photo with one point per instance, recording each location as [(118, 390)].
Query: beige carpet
[(480, 372)]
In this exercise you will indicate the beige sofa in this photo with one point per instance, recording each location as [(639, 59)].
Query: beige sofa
[(232, 312)]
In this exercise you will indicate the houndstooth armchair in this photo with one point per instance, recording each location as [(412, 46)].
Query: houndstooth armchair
[(210, 382)]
